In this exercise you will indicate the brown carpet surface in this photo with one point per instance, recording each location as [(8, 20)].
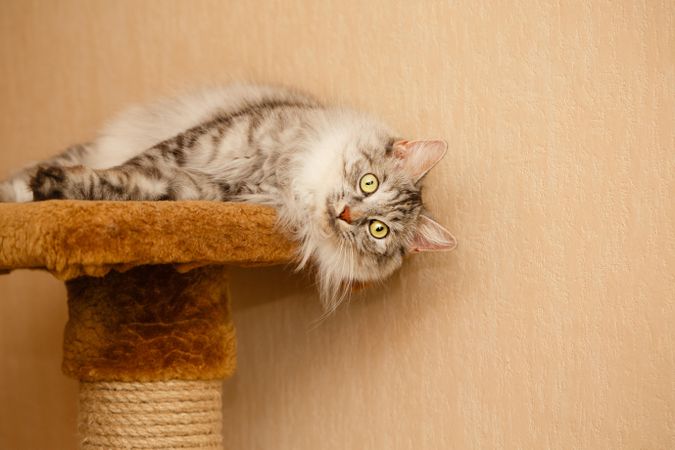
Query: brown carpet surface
[(75, 238)]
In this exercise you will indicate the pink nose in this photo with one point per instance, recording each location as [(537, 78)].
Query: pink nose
[(346, 215)]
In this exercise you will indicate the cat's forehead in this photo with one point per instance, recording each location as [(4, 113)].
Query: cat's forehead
[(360, 133), (377, 160), (368, 147)]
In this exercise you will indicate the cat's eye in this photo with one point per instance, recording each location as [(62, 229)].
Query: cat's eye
[(377, 229), (369, 183)]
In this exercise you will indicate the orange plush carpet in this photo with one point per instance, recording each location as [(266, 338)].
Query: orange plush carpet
[(75, 238)]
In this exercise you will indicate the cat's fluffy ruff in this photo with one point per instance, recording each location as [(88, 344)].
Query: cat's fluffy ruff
[(264, 145)]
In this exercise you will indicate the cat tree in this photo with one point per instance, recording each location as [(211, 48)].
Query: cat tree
[(149, 334)]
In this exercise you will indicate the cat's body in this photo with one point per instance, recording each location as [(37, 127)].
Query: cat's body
[(270, 146)]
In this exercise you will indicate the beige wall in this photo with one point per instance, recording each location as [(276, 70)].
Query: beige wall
[(552, 324)]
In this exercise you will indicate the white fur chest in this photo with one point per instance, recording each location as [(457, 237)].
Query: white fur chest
[(317, 173)]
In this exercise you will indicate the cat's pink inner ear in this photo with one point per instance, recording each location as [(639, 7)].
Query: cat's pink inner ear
[(431, 236), (418, 157)]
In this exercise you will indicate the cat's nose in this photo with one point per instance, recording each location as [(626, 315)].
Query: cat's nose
[(346, 215)]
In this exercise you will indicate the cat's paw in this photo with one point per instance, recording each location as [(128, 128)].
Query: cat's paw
[(48, 183), (6, 192)]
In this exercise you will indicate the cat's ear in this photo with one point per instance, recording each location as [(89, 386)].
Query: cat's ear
[(418, 157), (431, 236)]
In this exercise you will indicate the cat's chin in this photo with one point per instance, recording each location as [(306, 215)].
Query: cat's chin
[(340, 267)]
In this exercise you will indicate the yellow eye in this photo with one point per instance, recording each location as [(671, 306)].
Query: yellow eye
[(378, 230), (369, 183)]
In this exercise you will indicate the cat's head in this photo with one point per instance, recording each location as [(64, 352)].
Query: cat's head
[(372, 209)]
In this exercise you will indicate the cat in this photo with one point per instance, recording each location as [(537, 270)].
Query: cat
[(345, 187)]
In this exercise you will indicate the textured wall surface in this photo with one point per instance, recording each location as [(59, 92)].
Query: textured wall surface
[(552, 324)]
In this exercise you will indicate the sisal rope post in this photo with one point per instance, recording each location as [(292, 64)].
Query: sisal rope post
[(157, 415), (150, 347)]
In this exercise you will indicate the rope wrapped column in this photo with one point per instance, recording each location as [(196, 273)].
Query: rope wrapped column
[(157, 415), (150, 347)]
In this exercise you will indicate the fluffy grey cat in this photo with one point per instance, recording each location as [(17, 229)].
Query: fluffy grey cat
[(344, 186)]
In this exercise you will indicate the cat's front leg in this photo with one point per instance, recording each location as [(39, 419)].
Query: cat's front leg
[(83, 183), (127, 182), (58, 182)]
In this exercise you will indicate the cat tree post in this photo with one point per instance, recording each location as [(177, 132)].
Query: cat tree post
[(150, 347), (149, 334)]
